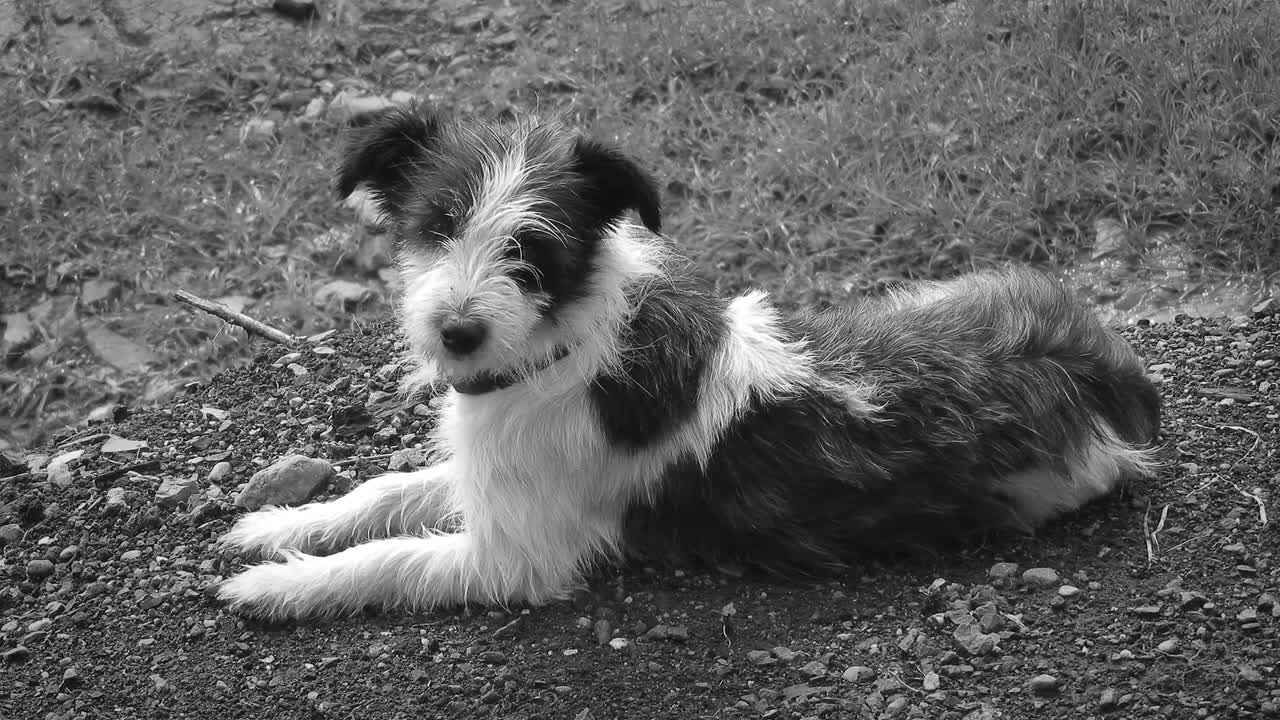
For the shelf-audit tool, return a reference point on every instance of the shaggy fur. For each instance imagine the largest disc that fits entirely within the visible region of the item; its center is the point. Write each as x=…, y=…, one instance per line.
x=603, y=401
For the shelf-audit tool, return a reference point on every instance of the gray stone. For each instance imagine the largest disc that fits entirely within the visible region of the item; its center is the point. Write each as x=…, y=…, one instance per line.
x=1040, y=577
x=292, y=480
x=858, y=674
x=405, y=460
x=972, y=640
x=39, y=569
x=175, y=491
x=1003, y=571
x=220, y=472
x=10, y=534
x=1044, y=684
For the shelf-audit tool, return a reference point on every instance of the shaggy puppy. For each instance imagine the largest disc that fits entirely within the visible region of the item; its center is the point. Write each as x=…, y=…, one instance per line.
x=603, y=401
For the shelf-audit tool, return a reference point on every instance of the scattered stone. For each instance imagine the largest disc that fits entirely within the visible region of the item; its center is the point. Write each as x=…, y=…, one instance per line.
x=1247, y=615
x=931, y=682
x=349, y=105
x=1168, y=646
x=1250, y=675
x=1146, y=611
x=814, y=669
x=16, y=655
x=61, y=475
x=314, y=111
x=619, y=643
x=1108, y=699
x=1044, y=684
x=10, y=534
x=973, y=641
x=116, y=499
x=39, y=569
x=1003, y=571
x=1190, y=600
x=258, y=129
x=786, y=655
x=291, y=480
x=71, y=678
x=1040, y=577
x=858, y=674
x=761, y=657
x=68, y=553
x=1068, y=591
x=131, y=555
x=220, y=472
x=175, y=491
x=345, y=293
x=405, y=460
x=493, y=657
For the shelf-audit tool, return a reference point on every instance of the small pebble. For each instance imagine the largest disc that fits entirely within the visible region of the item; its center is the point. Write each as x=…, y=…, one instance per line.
x=931, y=681
x=39, y=569
x=1003, y=571
x=1168, y=646
x=1068, y=591
x=1040, y=577
x=10, y=534
x=1044, y=684
x=858, y=673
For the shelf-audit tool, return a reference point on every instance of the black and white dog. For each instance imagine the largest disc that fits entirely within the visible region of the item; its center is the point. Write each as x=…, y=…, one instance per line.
x=604, y=402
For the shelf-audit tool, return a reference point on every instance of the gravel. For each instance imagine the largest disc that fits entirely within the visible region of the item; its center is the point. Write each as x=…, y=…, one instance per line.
x=106, y=615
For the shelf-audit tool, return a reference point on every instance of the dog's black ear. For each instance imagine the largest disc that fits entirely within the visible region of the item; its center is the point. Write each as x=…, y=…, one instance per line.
x=383, y=153
x=616, y=184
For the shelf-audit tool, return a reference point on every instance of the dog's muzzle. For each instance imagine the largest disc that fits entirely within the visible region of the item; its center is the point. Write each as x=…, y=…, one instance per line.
x=463, y=336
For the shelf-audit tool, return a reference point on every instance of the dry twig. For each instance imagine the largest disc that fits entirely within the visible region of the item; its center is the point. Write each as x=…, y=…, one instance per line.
x=250, y=325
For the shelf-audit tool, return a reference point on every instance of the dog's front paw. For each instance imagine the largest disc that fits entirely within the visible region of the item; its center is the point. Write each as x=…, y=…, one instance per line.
x=266, y=533
x=276, y=591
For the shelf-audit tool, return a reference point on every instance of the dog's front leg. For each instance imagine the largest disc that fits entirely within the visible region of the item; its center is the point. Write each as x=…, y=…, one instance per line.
x=395, y=504
x=404, y=573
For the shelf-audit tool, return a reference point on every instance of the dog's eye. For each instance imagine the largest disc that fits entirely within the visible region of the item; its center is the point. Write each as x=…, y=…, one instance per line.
x=530, y=249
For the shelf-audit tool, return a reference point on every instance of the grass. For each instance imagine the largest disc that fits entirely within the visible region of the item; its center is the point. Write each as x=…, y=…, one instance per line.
x=821, y=149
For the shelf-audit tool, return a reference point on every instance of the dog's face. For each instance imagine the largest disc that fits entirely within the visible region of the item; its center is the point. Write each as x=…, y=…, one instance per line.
x=498, y=230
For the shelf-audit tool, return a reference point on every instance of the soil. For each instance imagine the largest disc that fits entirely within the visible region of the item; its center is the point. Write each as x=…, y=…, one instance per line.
x=1156, y=602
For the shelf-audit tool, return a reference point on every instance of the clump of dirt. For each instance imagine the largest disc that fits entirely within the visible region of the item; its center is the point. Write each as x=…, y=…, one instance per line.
x=1158, y=602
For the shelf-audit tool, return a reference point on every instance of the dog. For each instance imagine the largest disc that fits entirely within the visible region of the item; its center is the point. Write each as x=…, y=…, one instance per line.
x=603, y=402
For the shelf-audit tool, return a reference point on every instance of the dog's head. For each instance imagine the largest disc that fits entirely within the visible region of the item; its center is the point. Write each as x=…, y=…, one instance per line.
x=499, y=229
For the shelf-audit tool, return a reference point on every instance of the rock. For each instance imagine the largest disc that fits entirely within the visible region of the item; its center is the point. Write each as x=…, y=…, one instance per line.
x=116, y=499
x=10, y=534
x=220, y=472
x=1003, y=571
x=814, y=669
x=858, y=674
x=619, y=643
x=61, y=475
x=175, y=491
x=404, y=97
x=131, y=555
x=116, y=350
x=96, y=291
x=1044, y=684
x=972, y=640
x=931, y=682
x=16, y=655
x=405, y=460
x=1040, y=577
x=71, y=678
x=1146, y=611
x=1108, y=699
x=39, y=569
x=493, y=657
x=786, y=655
x=761, y=657
x=1168, y=646
x=69, y=553
x=349, y=105
x=1068, y=591
x=343, y=293
x=313, y=112
x=1250, y=675
x=291, y=480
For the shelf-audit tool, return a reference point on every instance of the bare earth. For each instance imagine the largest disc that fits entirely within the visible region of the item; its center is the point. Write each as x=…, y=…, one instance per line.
x=1173, y=611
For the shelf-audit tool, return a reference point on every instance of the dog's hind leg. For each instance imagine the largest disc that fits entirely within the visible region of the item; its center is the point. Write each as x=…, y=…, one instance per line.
x=395, y=504
x=402, y=573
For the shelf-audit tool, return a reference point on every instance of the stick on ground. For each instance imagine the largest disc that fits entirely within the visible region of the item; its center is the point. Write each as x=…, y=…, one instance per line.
x=250, y=325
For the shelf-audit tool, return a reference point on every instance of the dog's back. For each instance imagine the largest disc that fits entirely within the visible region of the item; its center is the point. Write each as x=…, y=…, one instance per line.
x=938, y=411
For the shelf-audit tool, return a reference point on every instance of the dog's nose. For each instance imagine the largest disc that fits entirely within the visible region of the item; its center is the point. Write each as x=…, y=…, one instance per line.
x=462, y=336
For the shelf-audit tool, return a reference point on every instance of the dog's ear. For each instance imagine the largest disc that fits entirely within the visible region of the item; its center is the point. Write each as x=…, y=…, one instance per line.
x=617, y=184
x=383, y=153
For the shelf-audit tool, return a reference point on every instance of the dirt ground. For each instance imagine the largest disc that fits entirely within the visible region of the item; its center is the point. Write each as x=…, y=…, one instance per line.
x=1158, y=603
